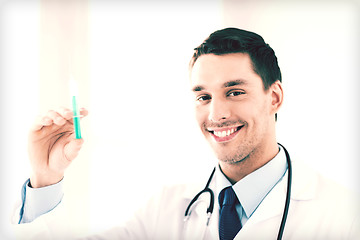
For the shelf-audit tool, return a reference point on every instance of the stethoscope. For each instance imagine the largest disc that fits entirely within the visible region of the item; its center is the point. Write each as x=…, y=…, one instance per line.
x=210, y=209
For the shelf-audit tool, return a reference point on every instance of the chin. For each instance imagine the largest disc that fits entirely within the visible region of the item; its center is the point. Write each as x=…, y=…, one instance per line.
x=230, y=158
x=226, y=156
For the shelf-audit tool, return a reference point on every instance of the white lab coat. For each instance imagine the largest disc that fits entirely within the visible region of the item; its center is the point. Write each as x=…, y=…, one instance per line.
x=319, y=209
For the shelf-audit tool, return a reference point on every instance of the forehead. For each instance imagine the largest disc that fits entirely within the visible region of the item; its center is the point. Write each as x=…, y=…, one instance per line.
x=212, y=70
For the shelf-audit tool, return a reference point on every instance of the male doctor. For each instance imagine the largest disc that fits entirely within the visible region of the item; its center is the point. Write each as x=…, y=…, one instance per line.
x=236, y=82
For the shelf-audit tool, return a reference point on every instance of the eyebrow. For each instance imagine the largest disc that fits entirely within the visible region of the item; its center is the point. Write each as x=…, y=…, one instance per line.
x=198, y=88
x=231, y=83
x=235, y=83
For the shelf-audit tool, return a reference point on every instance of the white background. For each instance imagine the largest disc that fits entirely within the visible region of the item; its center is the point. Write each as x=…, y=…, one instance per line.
x=141, y=132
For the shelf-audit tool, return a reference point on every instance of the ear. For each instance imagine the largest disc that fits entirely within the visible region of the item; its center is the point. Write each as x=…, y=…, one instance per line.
x=277, y=96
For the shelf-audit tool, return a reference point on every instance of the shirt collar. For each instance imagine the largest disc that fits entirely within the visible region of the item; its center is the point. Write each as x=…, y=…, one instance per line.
x=253, y=188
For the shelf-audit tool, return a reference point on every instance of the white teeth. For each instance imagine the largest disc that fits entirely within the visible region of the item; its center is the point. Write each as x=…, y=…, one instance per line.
x=224, y=133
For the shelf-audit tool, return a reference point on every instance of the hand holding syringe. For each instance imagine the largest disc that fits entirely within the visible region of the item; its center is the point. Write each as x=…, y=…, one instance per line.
x=54, y=142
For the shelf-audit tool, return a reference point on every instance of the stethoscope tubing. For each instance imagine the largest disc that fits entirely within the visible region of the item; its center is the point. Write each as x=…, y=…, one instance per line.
x=210, y=209
x=288, y=195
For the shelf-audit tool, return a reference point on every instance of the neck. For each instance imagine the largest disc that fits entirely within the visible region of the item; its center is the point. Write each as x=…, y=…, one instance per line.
x=255, y=160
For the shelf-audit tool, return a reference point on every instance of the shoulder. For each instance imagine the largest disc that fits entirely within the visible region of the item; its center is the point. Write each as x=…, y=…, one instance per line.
x=174, y=193
x=322, y=206
x=323, y=197
x=308, y=181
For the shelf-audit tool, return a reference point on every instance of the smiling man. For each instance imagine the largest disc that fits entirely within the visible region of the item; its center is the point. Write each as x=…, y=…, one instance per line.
x=235, y=110
x=237, y=89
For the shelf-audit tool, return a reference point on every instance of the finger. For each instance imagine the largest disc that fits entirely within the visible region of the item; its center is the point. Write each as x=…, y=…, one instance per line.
x=66, y=113
x=84, y=112
x=40, y=122
x=56, y=118
x=72, y=148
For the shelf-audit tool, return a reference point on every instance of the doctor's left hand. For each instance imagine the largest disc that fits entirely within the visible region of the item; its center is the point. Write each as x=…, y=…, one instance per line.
x=52, y=146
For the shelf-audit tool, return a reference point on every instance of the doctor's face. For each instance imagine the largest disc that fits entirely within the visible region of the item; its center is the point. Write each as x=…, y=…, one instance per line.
x=233, y=110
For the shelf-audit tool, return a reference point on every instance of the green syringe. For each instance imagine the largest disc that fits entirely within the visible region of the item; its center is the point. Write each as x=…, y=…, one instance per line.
x=76, y=112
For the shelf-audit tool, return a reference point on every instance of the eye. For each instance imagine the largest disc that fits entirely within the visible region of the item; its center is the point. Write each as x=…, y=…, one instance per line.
x=203, y=98
x=235, y=93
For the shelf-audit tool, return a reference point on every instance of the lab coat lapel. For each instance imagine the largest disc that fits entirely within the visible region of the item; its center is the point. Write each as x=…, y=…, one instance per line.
x=214, y=223
x=196, y=226
x=272, y=205
x=271, y=209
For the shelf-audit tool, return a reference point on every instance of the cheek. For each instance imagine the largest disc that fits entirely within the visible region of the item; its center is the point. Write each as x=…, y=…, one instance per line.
x=200, y=115
x=245, y=111
x=251, y=112
x=259, y=114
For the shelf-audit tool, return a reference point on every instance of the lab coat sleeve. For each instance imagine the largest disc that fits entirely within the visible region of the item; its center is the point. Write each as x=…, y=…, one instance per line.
x=55, y=224
x=43, y=214
x=162, y=217
x=59, y=224
x=142, y=225
x=37, y=201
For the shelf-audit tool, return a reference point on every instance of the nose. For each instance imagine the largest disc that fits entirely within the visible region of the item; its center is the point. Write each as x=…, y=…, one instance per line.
x=219, y=111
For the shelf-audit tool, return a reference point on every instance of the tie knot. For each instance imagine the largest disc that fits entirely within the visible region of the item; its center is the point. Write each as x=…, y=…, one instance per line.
x=228, y=197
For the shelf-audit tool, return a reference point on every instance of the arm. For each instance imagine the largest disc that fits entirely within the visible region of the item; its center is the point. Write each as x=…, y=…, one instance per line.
x=38, y=201
x=52, y=147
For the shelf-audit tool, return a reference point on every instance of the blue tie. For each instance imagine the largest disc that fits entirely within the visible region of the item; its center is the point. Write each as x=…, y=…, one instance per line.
x=229, y=222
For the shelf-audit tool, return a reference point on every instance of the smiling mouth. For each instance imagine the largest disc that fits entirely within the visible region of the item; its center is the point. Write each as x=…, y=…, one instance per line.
x=224, y=134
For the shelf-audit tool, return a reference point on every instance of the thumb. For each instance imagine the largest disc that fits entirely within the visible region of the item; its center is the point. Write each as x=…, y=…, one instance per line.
x=72, y=148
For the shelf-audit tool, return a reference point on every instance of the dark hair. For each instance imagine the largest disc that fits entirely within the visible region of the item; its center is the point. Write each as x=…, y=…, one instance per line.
x=233, y=40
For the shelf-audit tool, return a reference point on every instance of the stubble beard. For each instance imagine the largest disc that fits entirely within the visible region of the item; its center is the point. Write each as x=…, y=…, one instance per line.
x=240, y=156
